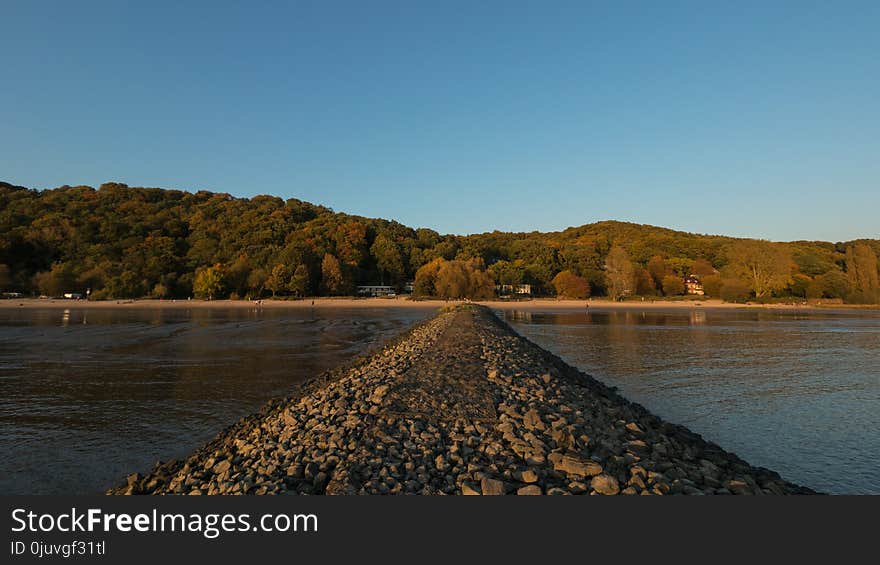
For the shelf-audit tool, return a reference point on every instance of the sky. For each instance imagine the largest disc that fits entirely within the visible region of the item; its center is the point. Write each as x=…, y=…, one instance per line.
x=754, y=119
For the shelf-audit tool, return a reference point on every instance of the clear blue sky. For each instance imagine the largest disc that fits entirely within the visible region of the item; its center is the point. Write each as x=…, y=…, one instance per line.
x=743, y=118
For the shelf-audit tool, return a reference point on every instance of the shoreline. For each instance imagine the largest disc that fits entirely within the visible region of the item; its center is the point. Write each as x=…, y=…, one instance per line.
x=459, y=404
x=404, y=302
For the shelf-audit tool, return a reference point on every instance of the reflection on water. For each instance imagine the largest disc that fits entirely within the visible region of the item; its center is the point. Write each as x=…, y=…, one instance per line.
x=88, y=396
x=797, y=392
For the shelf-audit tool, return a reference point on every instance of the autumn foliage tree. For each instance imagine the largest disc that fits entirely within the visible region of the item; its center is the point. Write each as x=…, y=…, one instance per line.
x=569, y=285
x=209, y=282
x=454, y=280
x=764, y=266
x=861, y=270
x=331, y=275
x=278, y=281
x=620, y=273
x=123, y=241
x=673, y=285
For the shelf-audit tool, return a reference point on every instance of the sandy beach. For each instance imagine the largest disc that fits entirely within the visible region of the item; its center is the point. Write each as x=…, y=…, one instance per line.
x=405, y=302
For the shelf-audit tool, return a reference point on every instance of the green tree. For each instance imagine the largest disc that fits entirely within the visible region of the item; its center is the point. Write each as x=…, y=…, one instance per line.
x=832, y=284
x=764, y=266
x=569, y=285
x=508, y=272
x=620, y=273
x=256, y=282
x=209, y=282
x=300, y=281
x=388, y=258
x=799, y=284
x=278, y=280
x=237, y=275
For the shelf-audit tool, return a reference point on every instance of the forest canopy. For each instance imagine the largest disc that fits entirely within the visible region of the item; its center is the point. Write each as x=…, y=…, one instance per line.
x=125, y=242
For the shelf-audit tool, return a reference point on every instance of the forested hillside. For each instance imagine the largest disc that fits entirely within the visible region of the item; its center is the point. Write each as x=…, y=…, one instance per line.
x=123, y=242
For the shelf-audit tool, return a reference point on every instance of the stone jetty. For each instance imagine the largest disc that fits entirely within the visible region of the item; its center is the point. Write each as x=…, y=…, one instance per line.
x=460, y=404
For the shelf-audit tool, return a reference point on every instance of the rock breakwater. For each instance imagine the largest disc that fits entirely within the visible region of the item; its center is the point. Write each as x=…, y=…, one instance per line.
x=461, y=404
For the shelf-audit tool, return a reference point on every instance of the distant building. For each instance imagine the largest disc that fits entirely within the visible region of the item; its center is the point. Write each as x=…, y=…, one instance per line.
x=693, y=285
x=375, y=290
x=520, y=289
x=409, y=286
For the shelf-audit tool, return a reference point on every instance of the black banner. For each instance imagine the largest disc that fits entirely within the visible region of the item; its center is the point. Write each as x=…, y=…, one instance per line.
x=453, y=529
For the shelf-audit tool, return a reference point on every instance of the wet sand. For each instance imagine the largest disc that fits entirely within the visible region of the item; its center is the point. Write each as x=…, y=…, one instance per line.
x=405, y=302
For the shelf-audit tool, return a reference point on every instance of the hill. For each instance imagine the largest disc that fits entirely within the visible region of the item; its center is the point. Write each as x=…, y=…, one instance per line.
x=123, y=241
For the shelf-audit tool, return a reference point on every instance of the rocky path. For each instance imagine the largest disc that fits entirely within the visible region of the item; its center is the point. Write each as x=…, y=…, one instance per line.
x=460, y=405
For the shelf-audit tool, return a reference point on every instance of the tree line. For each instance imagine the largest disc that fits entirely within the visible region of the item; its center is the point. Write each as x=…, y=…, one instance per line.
x=126, y=242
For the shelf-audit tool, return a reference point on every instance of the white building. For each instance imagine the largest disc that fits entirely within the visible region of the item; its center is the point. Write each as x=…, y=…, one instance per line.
x=375, y=290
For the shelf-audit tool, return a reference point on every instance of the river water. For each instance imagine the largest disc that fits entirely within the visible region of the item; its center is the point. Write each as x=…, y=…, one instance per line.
x=795, y=391
x=88, y=396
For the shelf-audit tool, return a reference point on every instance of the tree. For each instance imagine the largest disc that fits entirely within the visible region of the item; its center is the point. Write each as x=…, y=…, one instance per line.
x=861, y=271
x=658, y=269
x=278, y=280
x=454, y=280
x=702, y=268
x=5, y=278
x=426, y=278
x=388, y=258
x=237, y=275
x=300, y=281
x=209, y=282
x=673, y=285
x=569, y=285
x=619, y=272
x=832, y=284
x=482, y=285
x=765, y=266
x=798, y=285
x=331, y=275
x=712, y=285
x=256, y=282
x=351, y=242
x=123, y=241
x=508, y=272
x=57, y=281
x=735, y=290
x=644, y=282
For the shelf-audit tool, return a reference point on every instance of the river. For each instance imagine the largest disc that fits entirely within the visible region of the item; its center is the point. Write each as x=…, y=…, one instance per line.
x=88, y=396
x=794, y=391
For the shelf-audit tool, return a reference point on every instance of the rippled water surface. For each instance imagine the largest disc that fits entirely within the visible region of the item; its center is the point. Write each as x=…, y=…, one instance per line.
x=88, y=396
x=797, y=392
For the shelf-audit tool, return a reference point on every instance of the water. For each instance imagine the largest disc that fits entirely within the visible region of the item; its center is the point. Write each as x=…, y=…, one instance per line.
x=88, y=396
x=794, y=391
